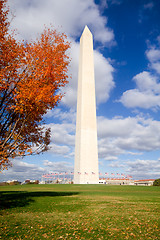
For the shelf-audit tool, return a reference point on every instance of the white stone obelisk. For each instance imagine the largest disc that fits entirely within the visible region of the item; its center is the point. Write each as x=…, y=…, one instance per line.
x=86, y=152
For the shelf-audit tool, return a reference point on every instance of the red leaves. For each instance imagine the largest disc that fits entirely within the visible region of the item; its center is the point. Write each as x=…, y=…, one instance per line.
x=30, y=78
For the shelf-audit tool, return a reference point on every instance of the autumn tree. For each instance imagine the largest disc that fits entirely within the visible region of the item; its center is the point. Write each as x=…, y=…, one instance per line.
x=31, y=76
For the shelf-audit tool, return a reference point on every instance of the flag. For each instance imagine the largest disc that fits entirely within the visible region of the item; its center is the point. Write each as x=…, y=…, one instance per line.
x=128, y=176
x=48, y=175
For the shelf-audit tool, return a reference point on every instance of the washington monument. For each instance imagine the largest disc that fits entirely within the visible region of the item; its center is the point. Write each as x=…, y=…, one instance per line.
x=86, y=153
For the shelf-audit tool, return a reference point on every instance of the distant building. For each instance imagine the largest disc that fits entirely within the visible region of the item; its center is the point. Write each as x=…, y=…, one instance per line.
x=144, y=182
x=102, y=181
x=126, y=181
x=116, y=181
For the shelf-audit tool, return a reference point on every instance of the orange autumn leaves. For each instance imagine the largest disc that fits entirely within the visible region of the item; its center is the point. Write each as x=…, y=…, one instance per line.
x=31, y=75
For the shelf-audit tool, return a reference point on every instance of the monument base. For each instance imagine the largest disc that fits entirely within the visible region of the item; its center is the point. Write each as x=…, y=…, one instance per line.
x=86, y=180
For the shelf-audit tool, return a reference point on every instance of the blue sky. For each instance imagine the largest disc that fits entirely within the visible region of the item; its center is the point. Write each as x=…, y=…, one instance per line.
x=127, y=73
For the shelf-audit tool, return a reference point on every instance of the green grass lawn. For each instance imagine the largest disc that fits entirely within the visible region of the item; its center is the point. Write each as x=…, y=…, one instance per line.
x=79, y=212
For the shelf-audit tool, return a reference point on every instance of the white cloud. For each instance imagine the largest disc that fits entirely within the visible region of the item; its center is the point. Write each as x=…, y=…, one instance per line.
x=62, y=134
x=146, y=168
x=135, y=153
x=65, y=116
x=134, y=98
x=156, y=67
x=145, y=81
x=119, y=136
x=69, y=15
x=104, y=82
x=147, y=92
x=145, y=95
x=57, y=166
x=153, y=54
x=21, y=171
x=103, y=77
x=60, y=150
x=116, y=136
x=70, y=90
x=115, y=127
x=139, y=168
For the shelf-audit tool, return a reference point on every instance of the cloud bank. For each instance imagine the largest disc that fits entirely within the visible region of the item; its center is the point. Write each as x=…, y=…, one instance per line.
x=69, y=15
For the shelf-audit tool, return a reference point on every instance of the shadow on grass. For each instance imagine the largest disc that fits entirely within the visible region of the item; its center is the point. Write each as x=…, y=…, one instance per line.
x=12, y=199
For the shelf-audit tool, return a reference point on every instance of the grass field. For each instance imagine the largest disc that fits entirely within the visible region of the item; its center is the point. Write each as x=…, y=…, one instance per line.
x=79, y=212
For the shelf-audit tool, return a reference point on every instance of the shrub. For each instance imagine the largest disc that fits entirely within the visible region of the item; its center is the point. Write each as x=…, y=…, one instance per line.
x=156, y=182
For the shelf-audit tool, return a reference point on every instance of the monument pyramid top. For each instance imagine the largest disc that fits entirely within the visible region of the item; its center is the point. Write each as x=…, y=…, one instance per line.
x=86, y=30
